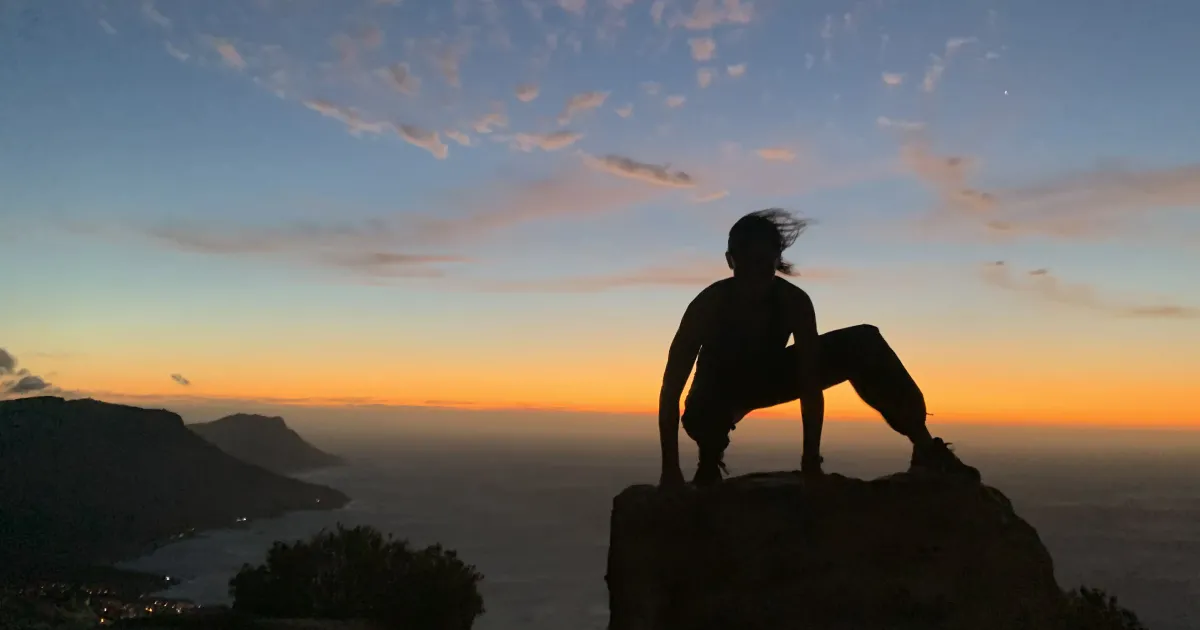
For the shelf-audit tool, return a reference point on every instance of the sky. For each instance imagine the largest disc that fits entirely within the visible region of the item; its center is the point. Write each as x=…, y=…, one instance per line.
x=503, y=204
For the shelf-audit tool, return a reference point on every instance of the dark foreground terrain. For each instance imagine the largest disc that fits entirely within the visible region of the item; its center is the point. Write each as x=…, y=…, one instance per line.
x=83, y=482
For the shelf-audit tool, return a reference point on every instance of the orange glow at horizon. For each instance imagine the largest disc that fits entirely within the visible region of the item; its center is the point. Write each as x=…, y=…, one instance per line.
x=950, y=397
x=620, y=372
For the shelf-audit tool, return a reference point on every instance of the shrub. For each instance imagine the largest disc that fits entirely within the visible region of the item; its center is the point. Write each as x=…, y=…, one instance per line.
x=359, y=573
x=1093, y=609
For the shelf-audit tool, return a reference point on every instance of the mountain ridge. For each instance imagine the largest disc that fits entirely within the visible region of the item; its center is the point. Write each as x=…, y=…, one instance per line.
x=265, y=441
x=89, y=482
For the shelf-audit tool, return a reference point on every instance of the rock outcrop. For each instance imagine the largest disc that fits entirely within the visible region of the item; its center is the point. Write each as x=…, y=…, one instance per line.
x=780, y=551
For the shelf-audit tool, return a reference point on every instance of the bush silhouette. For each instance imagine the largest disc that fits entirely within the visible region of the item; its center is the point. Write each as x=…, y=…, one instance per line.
x=1093, y=609
x=359, y=573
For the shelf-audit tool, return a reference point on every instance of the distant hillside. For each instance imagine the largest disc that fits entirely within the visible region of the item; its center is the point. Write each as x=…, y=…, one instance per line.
x=264, y=441
x=85, y=481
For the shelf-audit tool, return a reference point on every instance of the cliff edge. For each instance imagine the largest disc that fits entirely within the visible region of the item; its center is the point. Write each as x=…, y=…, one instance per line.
x=777, y=550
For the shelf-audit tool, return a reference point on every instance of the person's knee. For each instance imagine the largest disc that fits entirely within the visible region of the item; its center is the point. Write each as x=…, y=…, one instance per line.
x=866, y=330
x=866, y=338
x=708, y=427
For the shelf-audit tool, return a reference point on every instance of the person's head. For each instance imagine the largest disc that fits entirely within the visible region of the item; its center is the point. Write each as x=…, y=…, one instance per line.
x=757, y=241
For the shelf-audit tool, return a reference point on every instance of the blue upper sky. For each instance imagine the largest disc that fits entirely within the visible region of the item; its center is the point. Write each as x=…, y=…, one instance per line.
x=434, y=155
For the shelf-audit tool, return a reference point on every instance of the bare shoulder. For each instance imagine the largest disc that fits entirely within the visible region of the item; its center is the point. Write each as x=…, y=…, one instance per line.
x=795, y=298
x=699, y=315
x=709, y=297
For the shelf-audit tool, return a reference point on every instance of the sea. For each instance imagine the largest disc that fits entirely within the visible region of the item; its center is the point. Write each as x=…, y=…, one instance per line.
x=1118, y=510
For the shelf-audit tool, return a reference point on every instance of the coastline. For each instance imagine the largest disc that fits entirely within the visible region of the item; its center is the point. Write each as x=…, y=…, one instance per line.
x=122, y=562
x=109, y=569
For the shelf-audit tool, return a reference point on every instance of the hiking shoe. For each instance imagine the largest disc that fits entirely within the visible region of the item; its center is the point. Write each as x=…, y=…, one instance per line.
x=937, y=457
x=710, y=471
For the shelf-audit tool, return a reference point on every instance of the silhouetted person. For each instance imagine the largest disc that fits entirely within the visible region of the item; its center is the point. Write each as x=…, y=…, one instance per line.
x=736, y=332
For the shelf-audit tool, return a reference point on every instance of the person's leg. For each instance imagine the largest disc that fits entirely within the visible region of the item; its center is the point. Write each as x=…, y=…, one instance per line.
x=708, y=418
x=860, y=355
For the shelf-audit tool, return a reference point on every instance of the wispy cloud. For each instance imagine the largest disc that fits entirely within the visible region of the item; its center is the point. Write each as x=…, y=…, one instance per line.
x=684, y=273
x=954, y=43
x=108, y=28
x=659, y=175
x=708, y=14
x=657, y=8
x=553, y=141
x=526, y=92
x=371, y=36
x=827, y=33
x=893, y=78
x=1042, y=284
x=904, y=125
x=705, y=76
x=229, y=54
x=459, y=137
x=938, y=64
x=347, y=49
x=674, y=101
x=578, y=7
x=703, y=48
x=581, y=102
x=948, y=177
x=150, y=12
x=777, y=154
x=175, y=52
x=805, y=172
x=178, y=378
x=736, y=70
x=625, y=111
x=424, y=138
x=669, y=275
x=350, y=117
x=391, y=264
x=712, y=196
x=366, y=248
x=933, y=73
x=383, y=247
x=401, y=78
x=490, y=121
x=571, y=192
x=448, y=58
x=1097, y=203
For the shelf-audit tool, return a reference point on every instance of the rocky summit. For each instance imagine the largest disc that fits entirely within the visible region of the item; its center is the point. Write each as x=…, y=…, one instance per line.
x=775, y=551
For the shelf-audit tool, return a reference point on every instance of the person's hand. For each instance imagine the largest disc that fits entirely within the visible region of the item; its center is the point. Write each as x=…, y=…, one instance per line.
x=671, y=478
x=811, y=465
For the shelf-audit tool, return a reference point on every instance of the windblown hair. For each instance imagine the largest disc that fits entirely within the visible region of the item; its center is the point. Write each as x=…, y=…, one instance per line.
x=774, y=225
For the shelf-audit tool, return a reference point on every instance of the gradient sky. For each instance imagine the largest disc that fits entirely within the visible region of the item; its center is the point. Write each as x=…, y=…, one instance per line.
x=503, y=203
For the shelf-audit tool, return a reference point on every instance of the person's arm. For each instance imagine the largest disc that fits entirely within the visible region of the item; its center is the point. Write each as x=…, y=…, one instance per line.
x=812, y=396
x=680, y=359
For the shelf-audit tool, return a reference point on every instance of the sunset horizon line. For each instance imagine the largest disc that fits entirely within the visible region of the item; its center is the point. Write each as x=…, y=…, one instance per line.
x=780, y=413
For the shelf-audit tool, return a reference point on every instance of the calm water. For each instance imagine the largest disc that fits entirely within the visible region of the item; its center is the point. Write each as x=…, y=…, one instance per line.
x=534, y=520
